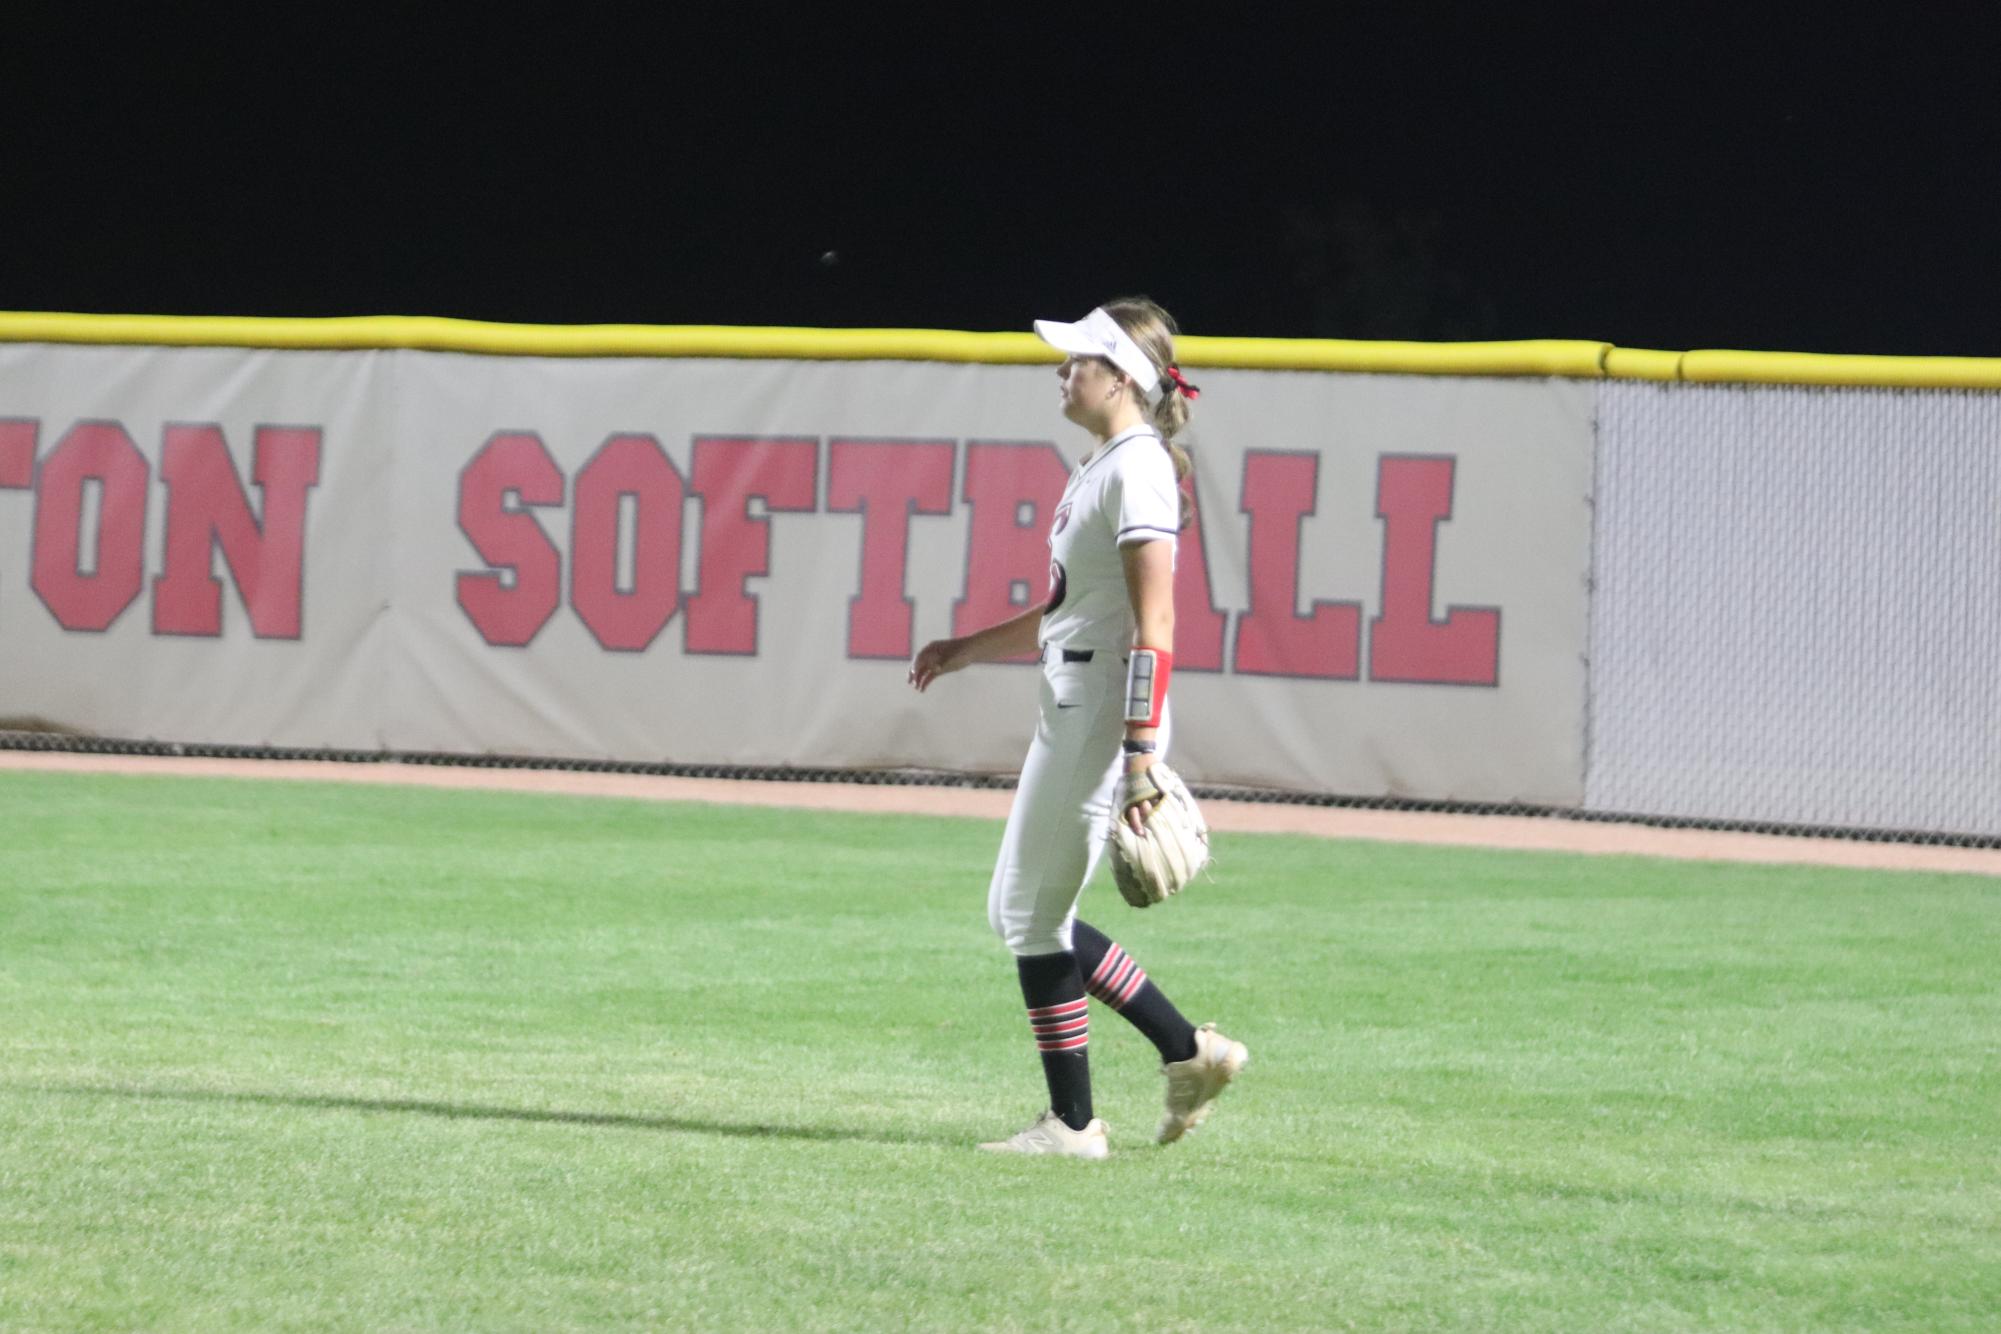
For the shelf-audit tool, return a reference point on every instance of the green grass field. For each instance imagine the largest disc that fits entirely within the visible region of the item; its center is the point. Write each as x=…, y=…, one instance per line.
x=311, y=1056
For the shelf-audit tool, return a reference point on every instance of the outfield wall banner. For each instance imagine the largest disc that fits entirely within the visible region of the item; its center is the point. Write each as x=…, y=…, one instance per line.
x=714, y=561
x=1797, y=614
x=191, y=546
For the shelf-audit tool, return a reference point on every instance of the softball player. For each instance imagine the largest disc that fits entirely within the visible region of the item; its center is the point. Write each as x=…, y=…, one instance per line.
x=1106, y=639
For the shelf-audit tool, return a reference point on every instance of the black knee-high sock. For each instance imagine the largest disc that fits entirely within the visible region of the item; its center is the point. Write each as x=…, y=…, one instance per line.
x=1115, y=978
x=1057, y=1014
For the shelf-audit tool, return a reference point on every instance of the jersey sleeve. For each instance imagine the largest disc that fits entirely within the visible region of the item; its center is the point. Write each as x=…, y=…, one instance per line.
x=1146, y=501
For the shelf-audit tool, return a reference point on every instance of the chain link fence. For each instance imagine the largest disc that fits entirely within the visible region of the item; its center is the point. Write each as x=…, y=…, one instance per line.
x=1796, y=610
x=64, y=743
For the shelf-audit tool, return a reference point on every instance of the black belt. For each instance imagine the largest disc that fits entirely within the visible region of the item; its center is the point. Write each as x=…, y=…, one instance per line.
x=1070, y=654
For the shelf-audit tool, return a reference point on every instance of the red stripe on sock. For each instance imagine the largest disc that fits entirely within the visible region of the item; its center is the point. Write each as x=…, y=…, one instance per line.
x=1113, y=957
x=1065, y=1026
x=1133, y=985
x=1121, y=985
x=1067, y=1007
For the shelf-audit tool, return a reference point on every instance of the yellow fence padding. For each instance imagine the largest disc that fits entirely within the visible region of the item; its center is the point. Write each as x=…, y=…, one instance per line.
x=1639, y=363
x=1537, y=357
x=1570, y=358
x=1565, y=357
x=1718, y=367
x=434, y=333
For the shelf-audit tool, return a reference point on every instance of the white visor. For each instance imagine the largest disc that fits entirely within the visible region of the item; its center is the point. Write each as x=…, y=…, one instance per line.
x=1099, y=335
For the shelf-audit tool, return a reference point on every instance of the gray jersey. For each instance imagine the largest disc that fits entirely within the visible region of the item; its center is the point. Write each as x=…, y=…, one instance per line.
x=1125, y=493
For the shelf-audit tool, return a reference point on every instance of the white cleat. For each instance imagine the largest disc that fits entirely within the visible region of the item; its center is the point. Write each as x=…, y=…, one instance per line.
x=1192, y=1085
x=1049, y=1135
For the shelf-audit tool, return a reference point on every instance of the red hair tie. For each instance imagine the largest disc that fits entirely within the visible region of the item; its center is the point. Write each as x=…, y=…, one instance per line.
x=1187, y=390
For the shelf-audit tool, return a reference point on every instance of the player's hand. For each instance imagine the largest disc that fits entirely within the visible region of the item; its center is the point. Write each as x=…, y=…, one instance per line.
x=937, y=658
x=1135, y=814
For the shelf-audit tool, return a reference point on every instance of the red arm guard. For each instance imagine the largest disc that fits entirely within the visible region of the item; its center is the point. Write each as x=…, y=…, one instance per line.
x=1147, y=671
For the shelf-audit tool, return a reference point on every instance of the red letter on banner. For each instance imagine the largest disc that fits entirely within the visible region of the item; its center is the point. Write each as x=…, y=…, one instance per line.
x=17, y=452
x=1014, y=491
x=1198, y=626
x=103, y=456
x=785, y=474
x=206, y=508
x=1273, y=639
x=1413, y=494
x=886, y=481
x=627, y=619
x=513, y=470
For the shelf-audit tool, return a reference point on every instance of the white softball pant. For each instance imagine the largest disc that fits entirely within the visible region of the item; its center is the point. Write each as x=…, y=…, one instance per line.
x=1062, y=813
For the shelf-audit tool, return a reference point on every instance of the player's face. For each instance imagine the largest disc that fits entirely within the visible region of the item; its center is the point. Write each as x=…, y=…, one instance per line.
x=1088, y=385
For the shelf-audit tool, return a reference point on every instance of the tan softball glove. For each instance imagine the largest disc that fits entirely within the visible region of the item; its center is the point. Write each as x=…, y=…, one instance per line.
x=1158, y=864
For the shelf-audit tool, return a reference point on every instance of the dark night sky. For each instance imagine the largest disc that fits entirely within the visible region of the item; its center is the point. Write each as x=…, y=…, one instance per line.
x=1654, y=179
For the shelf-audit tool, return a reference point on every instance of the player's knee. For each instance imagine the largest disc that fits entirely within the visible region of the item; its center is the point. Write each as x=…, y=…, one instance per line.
x=1028, y=937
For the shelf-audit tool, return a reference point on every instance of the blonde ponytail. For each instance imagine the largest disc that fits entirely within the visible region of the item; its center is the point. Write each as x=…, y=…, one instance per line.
x=1154, y=329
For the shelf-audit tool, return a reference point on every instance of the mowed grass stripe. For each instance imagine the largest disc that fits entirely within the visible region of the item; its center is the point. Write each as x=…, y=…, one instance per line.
x=278, y=1054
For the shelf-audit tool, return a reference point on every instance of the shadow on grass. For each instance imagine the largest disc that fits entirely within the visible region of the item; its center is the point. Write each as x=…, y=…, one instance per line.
x=459, y=1111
